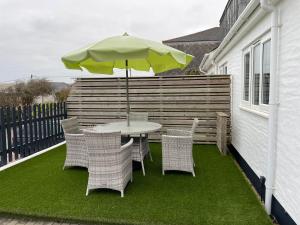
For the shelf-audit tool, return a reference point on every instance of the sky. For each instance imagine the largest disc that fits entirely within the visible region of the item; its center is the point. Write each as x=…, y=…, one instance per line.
x=35, y=34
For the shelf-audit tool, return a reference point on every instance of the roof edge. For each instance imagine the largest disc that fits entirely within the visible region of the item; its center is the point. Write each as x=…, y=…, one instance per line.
x=184, y=36
x=243, y=18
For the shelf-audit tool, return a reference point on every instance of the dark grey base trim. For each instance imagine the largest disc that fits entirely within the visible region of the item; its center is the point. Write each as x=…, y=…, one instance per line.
x=278, y=212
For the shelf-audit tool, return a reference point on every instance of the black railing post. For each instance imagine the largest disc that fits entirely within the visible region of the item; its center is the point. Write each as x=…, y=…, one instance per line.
x=40, y=142
x=15, y=138
x=35, y=141
x=20, y=136
x=44, y=126
x=48, y=125
x=25, y=122
x=52, y=141
x=8, y=132
x=3, y=152
x=30, y=124
x=55, y=121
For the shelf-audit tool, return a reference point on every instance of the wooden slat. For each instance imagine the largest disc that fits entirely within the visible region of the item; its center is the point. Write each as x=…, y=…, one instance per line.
x=172, y=101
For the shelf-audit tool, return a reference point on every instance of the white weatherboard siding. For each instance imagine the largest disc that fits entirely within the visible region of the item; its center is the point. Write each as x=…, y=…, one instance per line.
x=287, y=183
x=250, y=130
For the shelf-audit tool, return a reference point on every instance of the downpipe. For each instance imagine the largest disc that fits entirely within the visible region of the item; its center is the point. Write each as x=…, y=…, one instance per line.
x=273, y=105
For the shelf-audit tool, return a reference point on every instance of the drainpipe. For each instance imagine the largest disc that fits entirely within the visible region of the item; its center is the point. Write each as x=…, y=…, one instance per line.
x=273, y=105
x=215, y=65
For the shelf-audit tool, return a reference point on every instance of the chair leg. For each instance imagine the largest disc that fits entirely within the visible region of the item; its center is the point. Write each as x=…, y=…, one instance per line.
x=122, y=194
x=87, y=192
x=163, y=172
x=141, y=155
x=193, y=172
x=131, y=178
x=150, y=155
x=143, y=168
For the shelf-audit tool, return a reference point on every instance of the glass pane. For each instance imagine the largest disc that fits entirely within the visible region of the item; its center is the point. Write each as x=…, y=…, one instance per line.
x=266, y=72
x=256, y=89
x=246, y=76
x=256, y=74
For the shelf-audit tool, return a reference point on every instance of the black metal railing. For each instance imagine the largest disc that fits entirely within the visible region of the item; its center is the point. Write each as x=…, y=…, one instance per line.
x=28, y=129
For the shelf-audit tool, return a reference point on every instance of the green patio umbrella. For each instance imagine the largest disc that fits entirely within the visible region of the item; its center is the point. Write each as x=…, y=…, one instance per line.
x=126, y=52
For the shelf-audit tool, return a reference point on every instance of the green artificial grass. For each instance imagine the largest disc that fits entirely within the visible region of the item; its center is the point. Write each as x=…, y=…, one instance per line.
x=219, y=194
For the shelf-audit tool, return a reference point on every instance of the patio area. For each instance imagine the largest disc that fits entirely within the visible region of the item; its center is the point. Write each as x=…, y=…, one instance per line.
x=219, y=194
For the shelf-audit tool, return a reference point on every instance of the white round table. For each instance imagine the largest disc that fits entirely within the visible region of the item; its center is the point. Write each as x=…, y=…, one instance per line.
x=136, y=128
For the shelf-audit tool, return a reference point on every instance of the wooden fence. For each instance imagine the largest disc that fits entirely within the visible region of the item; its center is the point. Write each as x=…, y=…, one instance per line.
x=172, y=101
x=29, y=129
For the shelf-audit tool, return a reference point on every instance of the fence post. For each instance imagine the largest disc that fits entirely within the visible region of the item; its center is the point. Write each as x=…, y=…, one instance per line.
x=40, y=142
x=48, y=126
x=8, y=132
x=51, y=123
x=44, y=126
x=20, y=144
x=3, y=153
x=222, y=132
x=34, y=119
x=31, y=145
x=25, y=121
x=15, y=139
x=55, y=121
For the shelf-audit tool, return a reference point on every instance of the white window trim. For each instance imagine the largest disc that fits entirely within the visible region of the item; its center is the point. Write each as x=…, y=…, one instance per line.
x=260, y=109
x=245, y=103
x=222, y=67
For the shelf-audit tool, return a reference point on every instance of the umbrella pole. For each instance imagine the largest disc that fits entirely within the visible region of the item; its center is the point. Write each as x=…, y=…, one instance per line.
x=127, y=93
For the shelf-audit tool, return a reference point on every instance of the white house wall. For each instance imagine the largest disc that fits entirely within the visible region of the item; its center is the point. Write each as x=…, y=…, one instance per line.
x=287, y=183
x=249, y=130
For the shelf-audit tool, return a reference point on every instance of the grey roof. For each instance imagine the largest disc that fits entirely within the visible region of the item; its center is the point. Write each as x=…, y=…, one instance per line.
x=196, y=44
x=212, y=34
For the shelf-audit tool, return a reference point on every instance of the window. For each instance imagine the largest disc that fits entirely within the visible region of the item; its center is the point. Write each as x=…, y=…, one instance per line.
x=246, y=76
x=266, y=72
x=256, y=75
x=223, y=69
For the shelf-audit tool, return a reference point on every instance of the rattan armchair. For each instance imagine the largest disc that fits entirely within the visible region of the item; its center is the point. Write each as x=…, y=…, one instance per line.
x=75, y=142
x=177, y=149
x=110, y=164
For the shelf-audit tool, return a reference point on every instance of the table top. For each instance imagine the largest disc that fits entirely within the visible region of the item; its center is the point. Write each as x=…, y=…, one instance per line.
x=135, y=128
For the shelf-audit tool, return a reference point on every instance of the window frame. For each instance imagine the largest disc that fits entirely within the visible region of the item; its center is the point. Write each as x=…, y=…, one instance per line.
x=246, y=102
x=263, y=108
x=222, y=69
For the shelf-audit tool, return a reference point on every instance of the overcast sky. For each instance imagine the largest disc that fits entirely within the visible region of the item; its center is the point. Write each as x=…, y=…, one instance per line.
x=34, y=34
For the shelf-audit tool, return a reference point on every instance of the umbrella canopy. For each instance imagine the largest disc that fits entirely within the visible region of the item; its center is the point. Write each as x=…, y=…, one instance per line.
x=101, y=57
x=125, y=52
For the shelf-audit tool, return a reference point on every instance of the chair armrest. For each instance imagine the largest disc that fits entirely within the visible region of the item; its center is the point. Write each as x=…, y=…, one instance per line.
x=171, y=141
x=128, y=144
x=176, y=132
x=75, y=139
x=74, y=135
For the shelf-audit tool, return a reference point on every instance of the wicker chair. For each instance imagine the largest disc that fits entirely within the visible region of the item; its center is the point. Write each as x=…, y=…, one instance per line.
x=177, y=150
x=110, y=164
x=135, y=148
x=76, y=147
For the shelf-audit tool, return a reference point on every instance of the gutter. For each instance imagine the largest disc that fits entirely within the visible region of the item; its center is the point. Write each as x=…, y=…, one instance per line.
x=252, y=5
x=203, y=62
